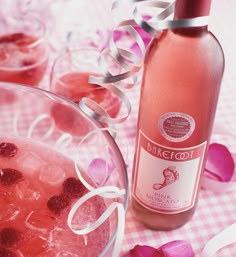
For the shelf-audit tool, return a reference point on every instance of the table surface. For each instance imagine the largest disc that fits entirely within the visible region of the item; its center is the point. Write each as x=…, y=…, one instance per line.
x=215, y=211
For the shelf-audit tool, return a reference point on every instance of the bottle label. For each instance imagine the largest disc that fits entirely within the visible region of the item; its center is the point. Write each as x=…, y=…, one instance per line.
x=166, y=179
x=176, y=126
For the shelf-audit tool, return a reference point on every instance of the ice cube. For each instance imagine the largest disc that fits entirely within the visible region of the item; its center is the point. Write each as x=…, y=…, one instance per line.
x=51, y=174
x=84, y=216
x=40, y=220
x=34, y=247
x=26, y=190
x=10, y=212
x=56, y=236
x=63, y=237
x=9, y=209
x=30, y=163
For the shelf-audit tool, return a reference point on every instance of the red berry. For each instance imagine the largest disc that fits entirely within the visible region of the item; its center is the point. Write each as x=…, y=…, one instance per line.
x=9, y=177
x=28, y=62
x=73, y=188
x=58, y=203
x=9, y=236
x=10, y=38
x=20, y=39
x=8, y=150
x=6, y=253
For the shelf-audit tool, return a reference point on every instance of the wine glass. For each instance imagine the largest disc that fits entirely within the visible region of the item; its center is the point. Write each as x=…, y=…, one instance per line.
x=70, y=74
x=23, y=50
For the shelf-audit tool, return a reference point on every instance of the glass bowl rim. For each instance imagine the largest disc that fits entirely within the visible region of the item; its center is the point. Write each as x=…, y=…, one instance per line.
x=108, y=136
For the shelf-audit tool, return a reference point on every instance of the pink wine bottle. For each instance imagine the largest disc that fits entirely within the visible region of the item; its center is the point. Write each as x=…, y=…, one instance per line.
x=183, y=70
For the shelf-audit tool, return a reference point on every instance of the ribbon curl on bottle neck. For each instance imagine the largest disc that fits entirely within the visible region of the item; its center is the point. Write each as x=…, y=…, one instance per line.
x=131, y=64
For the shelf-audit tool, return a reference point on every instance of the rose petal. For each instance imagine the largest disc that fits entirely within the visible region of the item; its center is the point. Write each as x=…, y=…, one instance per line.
x=117, y=35
x=99, y=170
x=146, y=37
x=177, y=248
x=220, y=164
x=136, y=49
x=143, y=34
x=141, y=251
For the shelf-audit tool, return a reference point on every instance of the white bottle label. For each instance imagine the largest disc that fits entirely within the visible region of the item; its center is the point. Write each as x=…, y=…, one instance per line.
x=166, y=179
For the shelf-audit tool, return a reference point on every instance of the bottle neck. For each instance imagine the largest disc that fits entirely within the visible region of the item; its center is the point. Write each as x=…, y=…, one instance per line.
x=187, y=9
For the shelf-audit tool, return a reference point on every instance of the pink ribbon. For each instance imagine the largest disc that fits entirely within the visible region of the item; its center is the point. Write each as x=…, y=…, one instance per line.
x=224, y=238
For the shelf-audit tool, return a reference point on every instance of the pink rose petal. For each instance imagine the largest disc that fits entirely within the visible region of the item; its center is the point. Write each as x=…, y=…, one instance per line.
x=117, y=35
x=144, y=35
x=141, y=251
x=136, y=49
x=99, y=170
x=220, y=164
x=177, y=248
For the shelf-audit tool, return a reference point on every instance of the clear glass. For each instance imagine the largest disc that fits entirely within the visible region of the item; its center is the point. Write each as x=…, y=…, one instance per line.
x=59, y=172
x=70, y=74
x=23, y=49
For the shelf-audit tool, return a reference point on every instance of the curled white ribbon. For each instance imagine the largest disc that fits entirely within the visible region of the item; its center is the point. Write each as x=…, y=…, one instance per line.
x=36, y=121
x=130, y=64
x=63, y=141
x=110, y=192
x=87, y=136
x=224, y=238
x=34, y=124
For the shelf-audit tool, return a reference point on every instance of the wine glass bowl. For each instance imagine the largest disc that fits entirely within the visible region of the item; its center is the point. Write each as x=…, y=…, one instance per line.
x=23, y=50
x=56, y=183
x=70, y=74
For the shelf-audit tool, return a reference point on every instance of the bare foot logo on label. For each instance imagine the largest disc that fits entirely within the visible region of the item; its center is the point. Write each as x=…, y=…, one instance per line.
x=170, y=175
x=176, y=126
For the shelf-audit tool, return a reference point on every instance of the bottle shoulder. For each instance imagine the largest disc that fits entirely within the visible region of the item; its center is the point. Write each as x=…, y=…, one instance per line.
x=172, y=38
x=170, y=45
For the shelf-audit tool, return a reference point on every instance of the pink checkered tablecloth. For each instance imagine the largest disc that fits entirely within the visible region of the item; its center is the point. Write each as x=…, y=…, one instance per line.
x=215, y=211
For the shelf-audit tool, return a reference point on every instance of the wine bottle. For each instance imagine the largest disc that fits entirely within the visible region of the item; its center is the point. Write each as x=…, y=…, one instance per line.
x=182, y=74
